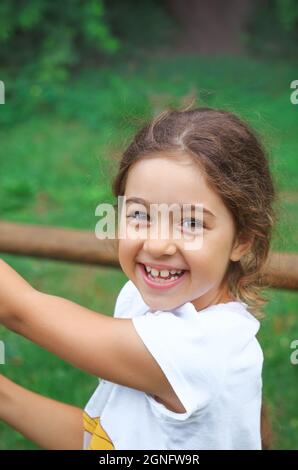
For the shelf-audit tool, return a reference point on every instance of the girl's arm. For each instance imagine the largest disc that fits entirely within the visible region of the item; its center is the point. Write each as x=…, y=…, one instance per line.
x=105, y=346
x=48, y=423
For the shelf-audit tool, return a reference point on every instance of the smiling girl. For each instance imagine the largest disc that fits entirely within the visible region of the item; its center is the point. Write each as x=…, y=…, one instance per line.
x=179, y=362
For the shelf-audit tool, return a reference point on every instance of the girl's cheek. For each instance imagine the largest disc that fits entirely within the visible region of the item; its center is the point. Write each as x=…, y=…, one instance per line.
x=128, y=252
x=123, y=253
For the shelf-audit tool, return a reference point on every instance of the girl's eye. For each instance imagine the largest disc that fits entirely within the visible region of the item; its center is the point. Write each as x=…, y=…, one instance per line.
x=132, y=215
x=143, y=216
x=195, y=223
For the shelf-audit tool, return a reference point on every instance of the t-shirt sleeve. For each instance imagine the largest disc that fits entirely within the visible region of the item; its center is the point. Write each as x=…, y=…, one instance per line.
x=193, y=355
x=124, y=300
x=181, y=358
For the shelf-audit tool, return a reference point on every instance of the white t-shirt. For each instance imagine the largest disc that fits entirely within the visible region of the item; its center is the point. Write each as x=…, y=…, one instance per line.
x=212, y=360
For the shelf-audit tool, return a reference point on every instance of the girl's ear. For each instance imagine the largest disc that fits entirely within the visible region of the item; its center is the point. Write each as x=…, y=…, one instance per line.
x=241, y=246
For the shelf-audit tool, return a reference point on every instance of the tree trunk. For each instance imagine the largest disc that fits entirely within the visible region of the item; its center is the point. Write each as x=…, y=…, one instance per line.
x=210, y=26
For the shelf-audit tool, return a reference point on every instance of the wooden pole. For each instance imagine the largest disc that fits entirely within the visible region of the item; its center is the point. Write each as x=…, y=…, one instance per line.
x=82, y=246
x=281, y=271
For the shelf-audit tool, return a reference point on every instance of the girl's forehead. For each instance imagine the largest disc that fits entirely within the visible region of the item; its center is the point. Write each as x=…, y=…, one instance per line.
x=167, y=158
x=165, y=169
x=167, y=178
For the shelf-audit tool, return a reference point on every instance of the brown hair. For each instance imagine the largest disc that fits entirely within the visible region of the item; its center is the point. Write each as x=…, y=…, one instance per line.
x=235, y=166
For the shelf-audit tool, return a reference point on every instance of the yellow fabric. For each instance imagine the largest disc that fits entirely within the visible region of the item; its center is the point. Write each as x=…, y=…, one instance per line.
x=99, y=438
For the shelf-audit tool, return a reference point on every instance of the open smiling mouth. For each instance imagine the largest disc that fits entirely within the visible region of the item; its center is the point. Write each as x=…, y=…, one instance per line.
x=161, y=282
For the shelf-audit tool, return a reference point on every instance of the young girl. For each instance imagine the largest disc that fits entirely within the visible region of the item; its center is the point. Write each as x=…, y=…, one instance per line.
x=179, y=362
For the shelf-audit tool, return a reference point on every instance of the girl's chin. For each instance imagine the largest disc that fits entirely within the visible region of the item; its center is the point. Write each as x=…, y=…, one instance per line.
x=154, y=306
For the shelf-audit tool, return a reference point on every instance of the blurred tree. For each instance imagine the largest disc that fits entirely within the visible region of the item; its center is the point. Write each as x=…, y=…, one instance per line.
x=43, y=42
x=235, y=26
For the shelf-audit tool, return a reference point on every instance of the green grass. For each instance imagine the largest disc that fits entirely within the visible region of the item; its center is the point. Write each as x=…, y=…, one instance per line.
x=56, y=167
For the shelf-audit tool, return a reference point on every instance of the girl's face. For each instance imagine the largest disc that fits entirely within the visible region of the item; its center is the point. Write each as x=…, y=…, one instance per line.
x=161, y=179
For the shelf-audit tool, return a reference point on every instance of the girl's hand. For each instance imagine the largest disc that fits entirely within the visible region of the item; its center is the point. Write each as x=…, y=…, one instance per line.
x=13, y=292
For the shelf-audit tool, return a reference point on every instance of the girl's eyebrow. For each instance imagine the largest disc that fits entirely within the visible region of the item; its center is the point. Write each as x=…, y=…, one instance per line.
x=139, y=200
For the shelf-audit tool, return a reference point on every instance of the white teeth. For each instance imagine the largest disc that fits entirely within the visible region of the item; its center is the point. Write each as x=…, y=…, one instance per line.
x=154, y=272
x=164, y=273
x=162, y=281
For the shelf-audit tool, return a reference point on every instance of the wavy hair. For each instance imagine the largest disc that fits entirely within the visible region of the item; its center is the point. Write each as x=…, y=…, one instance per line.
x=235, y=165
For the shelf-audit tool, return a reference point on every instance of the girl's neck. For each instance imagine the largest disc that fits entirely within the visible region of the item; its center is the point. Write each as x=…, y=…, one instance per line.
x=212, y=298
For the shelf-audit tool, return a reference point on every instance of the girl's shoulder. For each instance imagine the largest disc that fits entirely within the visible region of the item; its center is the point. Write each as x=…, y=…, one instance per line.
x=230, y=316
x=127, y=290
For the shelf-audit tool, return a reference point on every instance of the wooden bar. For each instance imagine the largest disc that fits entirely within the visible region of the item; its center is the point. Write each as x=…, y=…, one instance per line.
x=282, y=271
x=79, y=246
x=82, y=246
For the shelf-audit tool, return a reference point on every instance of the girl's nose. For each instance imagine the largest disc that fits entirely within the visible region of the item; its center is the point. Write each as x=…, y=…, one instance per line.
x=159, y=247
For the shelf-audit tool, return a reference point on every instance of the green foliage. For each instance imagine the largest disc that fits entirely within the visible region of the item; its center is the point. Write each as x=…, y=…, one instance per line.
x=44, y=46
x=41, y=38
x=273, y=28
x=287, y=13
x=140, y=26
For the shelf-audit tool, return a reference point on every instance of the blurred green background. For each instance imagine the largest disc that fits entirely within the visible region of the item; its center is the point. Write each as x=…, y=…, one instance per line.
x=80, y=77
